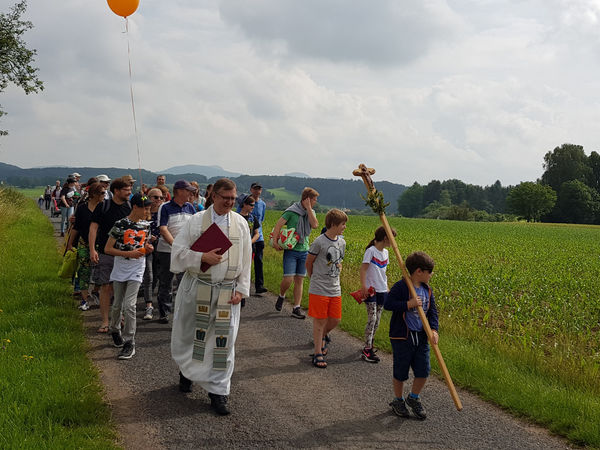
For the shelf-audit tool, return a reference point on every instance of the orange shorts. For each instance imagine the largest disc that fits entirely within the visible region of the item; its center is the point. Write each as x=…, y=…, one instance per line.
x=321, y=307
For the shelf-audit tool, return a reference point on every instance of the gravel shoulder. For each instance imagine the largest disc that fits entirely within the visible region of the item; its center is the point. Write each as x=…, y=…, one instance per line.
x=279, y=400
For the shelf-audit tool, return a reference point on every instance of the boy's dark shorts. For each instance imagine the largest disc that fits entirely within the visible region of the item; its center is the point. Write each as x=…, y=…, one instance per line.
x=408, y=353
x=102, y=270
x=379, y=297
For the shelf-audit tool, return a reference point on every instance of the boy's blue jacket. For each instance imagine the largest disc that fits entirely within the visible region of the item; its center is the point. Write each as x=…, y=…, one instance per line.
x=396, y=301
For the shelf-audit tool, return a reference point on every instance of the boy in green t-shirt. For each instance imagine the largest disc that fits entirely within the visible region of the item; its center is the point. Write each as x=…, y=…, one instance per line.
x=301, y=217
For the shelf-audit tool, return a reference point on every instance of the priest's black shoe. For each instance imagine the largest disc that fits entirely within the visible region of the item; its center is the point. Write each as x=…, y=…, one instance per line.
x=219, y=404
x=185, y=385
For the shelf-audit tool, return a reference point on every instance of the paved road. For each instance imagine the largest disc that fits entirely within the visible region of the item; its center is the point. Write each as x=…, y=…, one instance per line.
x=279, y=400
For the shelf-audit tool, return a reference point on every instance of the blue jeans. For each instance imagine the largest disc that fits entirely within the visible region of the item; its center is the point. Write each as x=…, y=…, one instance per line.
x=65, y=213
x=294, y=263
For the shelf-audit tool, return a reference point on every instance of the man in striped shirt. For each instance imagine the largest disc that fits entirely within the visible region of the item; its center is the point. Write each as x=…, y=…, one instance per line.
x=172, y=216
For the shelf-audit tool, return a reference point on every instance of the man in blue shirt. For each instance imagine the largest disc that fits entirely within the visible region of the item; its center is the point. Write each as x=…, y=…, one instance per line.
x=171, y=218
x=257, y=248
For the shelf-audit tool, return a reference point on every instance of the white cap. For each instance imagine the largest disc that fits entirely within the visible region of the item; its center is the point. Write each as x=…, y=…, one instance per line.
x=103, y=178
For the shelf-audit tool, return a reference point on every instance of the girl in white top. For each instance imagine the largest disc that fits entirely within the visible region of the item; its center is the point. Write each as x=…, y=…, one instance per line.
x=373, y=275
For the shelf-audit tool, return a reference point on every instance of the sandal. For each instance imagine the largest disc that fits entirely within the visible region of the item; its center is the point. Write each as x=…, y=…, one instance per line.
x=319, y=361
x=325, y=348
x=103, y=329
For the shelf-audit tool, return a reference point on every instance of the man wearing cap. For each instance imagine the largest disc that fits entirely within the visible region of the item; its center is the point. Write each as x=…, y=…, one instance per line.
x=128, y=179
x=259, y=216
x=172, y=216
x=128, y=243
x=77, y=177
x=104, y=217
x=105, y=182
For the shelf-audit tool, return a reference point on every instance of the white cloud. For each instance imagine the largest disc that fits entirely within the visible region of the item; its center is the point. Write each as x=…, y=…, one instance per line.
x=420, y=90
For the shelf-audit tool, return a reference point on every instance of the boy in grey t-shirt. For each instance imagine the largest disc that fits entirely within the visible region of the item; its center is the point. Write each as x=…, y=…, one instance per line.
x=323, y=266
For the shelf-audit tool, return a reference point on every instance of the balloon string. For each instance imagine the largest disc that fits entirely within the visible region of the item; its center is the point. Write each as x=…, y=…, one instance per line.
x=137, y=140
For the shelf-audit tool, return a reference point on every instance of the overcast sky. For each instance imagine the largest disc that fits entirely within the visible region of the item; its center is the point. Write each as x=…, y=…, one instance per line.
x=417, y=89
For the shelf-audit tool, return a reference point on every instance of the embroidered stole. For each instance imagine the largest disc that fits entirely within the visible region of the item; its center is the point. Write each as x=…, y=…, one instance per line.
x=207, y=291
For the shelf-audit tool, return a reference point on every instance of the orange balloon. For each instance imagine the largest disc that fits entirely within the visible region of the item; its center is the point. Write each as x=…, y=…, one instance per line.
x=123, y=8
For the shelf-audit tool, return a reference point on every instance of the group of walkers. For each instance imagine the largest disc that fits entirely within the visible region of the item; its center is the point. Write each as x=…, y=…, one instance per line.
x=204, y=246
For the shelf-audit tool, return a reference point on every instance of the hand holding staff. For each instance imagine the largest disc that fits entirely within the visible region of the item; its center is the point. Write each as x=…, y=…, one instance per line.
x=375, y=201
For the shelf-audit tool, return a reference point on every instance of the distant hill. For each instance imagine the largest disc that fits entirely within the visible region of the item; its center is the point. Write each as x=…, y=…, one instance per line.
x=207, y=171
x=297, y=174
x=333, y=192
x=40, y=176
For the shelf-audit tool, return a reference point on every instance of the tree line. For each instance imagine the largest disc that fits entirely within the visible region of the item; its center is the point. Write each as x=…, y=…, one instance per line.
x=568, y=191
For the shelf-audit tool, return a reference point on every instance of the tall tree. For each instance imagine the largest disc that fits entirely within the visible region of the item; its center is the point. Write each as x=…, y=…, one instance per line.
x=15, y=58
x=531, y=200
x=566, y=163
x=578, y=203
x=410, y=202
x=594, y=163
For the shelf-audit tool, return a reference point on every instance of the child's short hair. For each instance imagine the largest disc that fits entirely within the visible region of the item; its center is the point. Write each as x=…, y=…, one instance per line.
x=419, y=260
x=335, y=217
x=309, y=192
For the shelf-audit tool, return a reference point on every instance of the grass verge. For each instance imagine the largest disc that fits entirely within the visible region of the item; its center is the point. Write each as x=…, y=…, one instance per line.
x=50, y=395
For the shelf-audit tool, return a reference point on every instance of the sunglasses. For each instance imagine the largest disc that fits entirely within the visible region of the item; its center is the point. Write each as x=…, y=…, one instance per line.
x=156, y=197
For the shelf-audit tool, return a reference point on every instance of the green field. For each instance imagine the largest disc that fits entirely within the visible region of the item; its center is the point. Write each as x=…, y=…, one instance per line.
x=519, y=310
x=33, y=193
x=283, y=194
x=50, y=396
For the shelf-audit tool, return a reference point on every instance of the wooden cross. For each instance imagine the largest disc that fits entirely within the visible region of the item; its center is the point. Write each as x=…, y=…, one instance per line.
x=365, y=173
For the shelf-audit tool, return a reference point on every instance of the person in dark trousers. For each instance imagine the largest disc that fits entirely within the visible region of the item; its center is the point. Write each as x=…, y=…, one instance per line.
x=172, y=216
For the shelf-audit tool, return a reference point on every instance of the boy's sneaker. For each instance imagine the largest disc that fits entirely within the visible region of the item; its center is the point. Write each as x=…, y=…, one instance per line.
x=416, y=407
x=297, y=313
x=84, y=306
x=279, y=303
x=148, y=314
x=127, y=351
x=368, y=354
x=399, y=408
x=163, y=319
x=117, y=340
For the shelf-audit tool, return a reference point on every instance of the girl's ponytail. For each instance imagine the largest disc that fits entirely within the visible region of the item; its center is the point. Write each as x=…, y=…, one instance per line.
x=380, y=235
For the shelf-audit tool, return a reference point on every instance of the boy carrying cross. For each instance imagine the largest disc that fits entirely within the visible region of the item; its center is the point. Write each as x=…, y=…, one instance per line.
x=407, y=336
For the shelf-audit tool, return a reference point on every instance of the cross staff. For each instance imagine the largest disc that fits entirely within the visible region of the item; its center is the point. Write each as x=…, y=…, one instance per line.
x=375, y=200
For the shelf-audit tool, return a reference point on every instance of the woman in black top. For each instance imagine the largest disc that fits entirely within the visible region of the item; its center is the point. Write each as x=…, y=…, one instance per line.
x=79, y=238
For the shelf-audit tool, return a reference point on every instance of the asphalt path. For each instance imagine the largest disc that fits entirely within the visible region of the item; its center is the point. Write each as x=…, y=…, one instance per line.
x=279, y=400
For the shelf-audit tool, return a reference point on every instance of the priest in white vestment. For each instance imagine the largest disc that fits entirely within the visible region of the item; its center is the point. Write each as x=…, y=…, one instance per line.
x=207, y=306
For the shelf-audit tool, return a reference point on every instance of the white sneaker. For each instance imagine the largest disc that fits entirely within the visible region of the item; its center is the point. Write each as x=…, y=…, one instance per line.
x=84, y=306
x=148, y=314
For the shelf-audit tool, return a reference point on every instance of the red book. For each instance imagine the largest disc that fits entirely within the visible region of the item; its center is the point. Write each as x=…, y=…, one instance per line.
x=212, y=238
